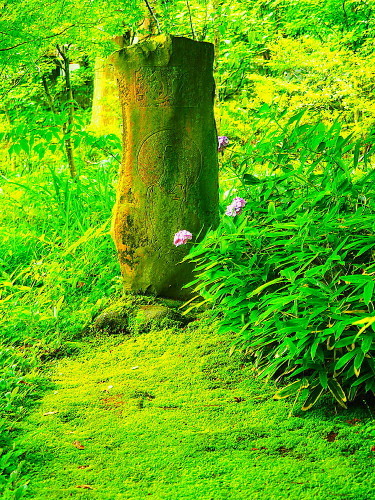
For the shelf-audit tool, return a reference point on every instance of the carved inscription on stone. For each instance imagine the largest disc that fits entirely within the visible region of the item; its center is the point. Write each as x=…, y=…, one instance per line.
x=170, y=168
x=170, y=162
x=124, y=90
x=163, y=86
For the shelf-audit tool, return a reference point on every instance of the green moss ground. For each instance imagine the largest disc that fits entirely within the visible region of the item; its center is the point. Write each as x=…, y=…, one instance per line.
x=168, y=415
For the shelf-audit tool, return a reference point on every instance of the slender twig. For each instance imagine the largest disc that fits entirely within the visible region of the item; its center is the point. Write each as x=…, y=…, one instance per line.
x=18, y=81
x=43, y=38
x=191, y=21
x=345, y=14
x=205, y=25
x=150, y=9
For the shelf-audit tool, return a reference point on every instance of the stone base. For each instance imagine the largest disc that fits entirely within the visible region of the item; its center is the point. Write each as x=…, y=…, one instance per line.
x=131, y=316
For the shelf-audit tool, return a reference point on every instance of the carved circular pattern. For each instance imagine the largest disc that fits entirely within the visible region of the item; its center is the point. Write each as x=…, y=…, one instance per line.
x=168, y=160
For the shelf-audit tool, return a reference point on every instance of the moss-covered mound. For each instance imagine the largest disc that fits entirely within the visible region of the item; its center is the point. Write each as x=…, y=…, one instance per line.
x=134, y=314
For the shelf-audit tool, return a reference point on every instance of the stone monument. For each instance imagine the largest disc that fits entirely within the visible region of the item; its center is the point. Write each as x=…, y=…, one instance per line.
x=169, y=174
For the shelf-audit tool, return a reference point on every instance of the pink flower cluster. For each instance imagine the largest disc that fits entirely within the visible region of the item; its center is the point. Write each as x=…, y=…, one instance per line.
x=223, y=142
x=182, y=237
x=235, y=207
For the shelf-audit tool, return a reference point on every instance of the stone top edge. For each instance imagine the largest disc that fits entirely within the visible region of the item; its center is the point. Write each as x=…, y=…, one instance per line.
x=156, y=42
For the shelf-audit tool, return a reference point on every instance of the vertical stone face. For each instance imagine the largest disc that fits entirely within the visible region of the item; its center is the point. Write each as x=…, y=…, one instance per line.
x=106, y=113
x=169, y=174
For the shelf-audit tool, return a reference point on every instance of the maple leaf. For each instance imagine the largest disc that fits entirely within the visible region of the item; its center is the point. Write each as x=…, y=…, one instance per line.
x=78, y=445
x=331, y=436
x=354, y=421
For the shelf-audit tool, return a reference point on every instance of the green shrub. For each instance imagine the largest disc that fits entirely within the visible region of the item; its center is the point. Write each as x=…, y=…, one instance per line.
x=293, y=274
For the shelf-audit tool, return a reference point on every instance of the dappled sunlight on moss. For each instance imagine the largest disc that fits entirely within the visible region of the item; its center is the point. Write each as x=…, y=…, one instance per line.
x=167, y=414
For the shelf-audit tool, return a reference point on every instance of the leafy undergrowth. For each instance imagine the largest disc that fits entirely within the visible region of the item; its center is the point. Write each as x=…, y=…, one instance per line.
x=165, y=415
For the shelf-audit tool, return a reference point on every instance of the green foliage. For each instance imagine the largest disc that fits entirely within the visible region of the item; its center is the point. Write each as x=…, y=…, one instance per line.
x=315, y=55
x=30, y=29
x=294, y=276
x=32, y=141
x=57, y=268
x=298, y=260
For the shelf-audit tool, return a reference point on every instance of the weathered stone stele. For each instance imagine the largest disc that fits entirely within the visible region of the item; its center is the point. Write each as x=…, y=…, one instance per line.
x=169, y=174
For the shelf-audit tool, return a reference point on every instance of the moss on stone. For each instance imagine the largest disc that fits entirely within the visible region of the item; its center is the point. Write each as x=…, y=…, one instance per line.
x=134, y=314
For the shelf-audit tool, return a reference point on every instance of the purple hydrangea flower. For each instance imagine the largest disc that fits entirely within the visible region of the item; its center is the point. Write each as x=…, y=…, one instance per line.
x=223, y=142
x=231, y=211
x=239, y=202
x=235, y=207
x=182, y=237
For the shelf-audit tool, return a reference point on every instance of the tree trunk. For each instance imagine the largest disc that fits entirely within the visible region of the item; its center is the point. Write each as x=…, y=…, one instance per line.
x=47, y=92
x=169, y=175
x=68, y=125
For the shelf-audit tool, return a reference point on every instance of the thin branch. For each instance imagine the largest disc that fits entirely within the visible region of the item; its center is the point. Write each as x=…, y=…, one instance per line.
x=68, y=125
x=150, y=9
x=61, y=51
x=46, y=90
x=205, y=25
x=345, y=15
x=38, y=39
x=191, y=21
x=18, y=81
